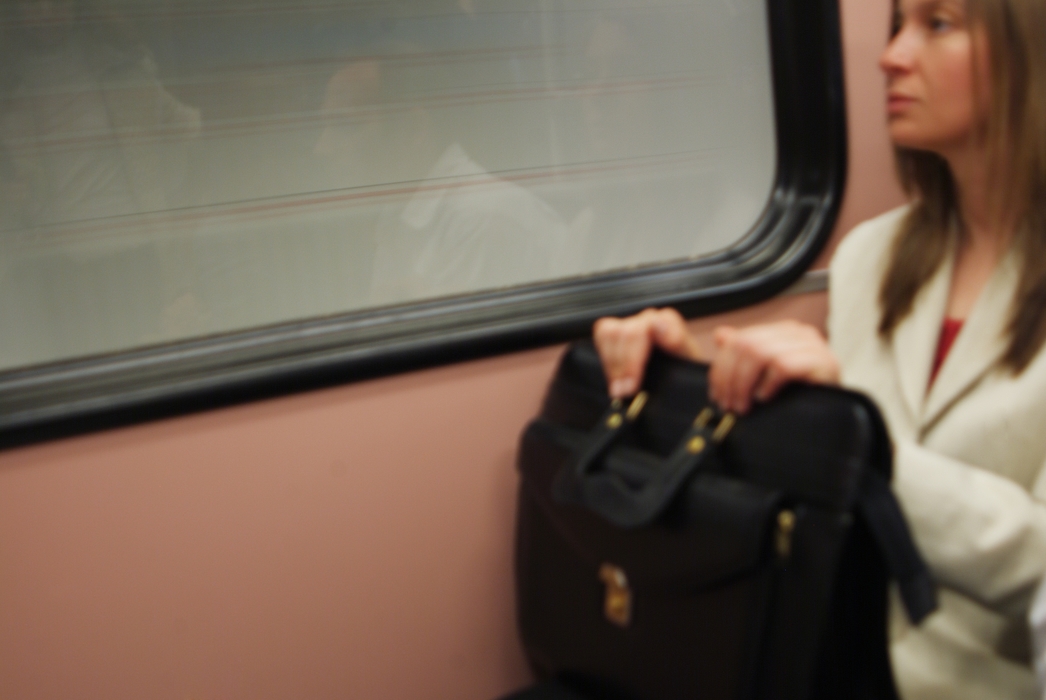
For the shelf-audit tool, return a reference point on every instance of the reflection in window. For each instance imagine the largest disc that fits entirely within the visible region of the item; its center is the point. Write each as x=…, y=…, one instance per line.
x=172, y=169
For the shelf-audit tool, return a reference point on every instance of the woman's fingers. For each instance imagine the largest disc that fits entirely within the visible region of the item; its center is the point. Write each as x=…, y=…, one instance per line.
x=748, y=369
x=721, y=371
x=754, y=363
x=608, y=337
x=633, y=350
x=671, y=334
x=749, y=364
x=736, y=368
x=771, y=381
x=624, y=345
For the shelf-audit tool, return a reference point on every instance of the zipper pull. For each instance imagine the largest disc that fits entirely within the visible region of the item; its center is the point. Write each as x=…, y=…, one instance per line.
x=783, y=535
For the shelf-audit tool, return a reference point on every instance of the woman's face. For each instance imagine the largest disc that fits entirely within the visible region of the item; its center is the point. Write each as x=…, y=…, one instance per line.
x=929, y=67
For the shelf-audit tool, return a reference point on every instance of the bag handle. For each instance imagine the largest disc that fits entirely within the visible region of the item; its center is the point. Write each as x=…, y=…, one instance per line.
x=608, y=494
x=613, y=425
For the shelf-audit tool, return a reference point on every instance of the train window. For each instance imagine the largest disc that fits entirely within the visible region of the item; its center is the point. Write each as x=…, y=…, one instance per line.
x=201, y=198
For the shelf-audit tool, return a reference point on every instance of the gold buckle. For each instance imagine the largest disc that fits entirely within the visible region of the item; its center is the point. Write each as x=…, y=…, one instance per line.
x=615, y=419
x=722, y=429
x=726, y=423
x=617, y=603
x=636, y=407
x=783, y=535
x=704, y=417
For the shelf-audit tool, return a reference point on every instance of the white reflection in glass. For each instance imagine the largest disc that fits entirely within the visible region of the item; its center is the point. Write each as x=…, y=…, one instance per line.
x=171, y=169
x=457, y=229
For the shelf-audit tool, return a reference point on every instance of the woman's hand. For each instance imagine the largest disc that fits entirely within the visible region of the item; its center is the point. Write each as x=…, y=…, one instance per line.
x=748, y=364
x=624, y=345
x=754, y=363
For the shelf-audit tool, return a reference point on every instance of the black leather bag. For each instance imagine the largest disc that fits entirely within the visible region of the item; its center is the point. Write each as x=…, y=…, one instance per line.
x=666, y=551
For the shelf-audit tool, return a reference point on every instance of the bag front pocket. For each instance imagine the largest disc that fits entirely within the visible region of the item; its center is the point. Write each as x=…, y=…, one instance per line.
x=676, y=608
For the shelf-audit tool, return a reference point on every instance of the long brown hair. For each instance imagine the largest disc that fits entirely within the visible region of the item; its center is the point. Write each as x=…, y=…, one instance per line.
x=1015, y=134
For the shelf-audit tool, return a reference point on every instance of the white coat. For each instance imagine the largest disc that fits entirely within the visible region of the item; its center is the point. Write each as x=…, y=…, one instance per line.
x=968, y=468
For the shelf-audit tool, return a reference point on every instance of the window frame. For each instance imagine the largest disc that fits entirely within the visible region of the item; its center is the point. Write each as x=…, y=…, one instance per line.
x=63, y=398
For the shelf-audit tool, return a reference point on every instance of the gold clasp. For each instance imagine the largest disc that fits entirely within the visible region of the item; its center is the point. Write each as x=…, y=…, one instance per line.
x=706, y=415
x=722, y=429
x=783, y=536
x=617, y=604
x=615, y=419
x=695, y=445
x=636, y=407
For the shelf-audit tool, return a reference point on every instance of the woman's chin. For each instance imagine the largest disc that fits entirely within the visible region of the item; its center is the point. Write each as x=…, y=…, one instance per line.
x=905, y=134
x=902, y=136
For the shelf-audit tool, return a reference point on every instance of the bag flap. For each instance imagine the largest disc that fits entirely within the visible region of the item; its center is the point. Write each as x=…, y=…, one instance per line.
x=717, y=529
x=811, y=442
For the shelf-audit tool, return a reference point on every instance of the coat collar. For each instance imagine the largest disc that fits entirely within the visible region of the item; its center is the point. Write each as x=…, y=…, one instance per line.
x=915, y=338
x=977, y=348
x=980, y=344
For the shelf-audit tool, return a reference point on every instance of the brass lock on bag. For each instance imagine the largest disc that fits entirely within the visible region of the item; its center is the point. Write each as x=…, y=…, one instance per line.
x=617, y=603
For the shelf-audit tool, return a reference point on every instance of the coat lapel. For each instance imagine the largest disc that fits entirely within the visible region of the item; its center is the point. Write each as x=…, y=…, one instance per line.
x=915, y=339
x=979, y=345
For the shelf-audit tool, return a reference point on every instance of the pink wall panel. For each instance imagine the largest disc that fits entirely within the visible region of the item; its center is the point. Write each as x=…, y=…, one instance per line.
x=348, y=543
x=353, y=542
x=871, y=187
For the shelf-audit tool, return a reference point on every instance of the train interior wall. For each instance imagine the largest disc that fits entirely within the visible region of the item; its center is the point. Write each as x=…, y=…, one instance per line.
x=352, y=542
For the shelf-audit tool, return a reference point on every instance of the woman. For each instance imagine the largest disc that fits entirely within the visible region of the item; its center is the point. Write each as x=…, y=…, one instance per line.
x=937, y=311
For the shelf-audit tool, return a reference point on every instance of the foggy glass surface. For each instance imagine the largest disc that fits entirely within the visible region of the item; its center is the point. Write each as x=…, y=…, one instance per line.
x=174, y=169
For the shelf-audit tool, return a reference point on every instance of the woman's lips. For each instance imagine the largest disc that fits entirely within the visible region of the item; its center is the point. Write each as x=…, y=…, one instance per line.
x=897, y=103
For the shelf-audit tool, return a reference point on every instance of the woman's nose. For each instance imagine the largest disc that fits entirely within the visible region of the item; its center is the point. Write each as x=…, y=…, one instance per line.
x=899, y=54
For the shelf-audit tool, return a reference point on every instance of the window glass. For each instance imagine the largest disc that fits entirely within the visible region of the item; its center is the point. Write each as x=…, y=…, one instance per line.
x=173, y=169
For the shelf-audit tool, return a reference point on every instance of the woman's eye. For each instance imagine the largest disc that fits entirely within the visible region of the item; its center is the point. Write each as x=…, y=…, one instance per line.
x=940, y=24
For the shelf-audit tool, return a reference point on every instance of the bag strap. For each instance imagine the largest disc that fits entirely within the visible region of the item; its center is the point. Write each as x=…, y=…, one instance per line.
x=877, y=503
x=610, y=496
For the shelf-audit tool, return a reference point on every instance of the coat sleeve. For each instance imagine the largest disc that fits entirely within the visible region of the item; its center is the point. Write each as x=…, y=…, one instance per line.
x=981, y=534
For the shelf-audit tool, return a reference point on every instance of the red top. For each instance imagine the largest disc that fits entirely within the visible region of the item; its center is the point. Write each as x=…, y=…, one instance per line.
x=949, y=329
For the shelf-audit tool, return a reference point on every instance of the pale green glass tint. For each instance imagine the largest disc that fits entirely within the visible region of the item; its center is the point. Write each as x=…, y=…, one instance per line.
x=173, y=169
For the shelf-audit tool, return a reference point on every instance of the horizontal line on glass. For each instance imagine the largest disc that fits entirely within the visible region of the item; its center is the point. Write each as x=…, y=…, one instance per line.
x=317, y=118
x=209, y=11
x=117, y=227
